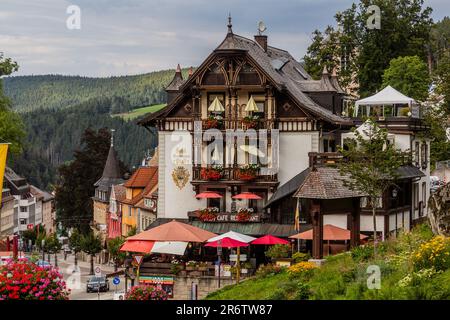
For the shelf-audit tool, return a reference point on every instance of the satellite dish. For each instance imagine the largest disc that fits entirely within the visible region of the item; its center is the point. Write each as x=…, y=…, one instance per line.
x=261, y=27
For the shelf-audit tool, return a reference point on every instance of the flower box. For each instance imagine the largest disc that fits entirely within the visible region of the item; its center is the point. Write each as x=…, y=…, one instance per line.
x=208, y=214
x=248, y=172
x=244, y=215
x=213, y=122
x=211, y=174
x=250, y=122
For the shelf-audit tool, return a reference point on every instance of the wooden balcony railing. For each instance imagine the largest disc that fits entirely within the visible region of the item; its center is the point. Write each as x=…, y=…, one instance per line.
x=232, y=173
x=225, y=124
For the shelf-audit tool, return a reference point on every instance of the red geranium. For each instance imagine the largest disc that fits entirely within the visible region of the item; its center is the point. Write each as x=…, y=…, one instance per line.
x=23, y=280
x=146, y=292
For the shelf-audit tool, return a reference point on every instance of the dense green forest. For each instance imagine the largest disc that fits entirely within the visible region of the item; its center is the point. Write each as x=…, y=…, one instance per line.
x=54, y=134
x=29, y=93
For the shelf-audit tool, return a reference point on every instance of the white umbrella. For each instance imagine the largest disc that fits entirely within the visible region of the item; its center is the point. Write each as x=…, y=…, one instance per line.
x=251, y=105
x=170, y=247
x=216, y=106
x=233, y=235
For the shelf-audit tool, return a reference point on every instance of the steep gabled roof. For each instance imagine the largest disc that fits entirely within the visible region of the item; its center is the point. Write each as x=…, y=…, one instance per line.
x=111, y=173
x=141, y=177
x=286, y=73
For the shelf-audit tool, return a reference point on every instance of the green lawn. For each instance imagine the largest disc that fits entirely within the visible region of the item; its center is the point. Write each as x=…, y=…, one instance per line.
x=345, y=276
x=140, y=112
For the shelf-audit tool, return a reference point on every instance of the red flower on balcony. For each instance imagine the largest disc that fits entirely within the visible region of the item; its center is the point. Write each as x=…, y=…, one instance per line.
x=212, y=173
x=208, y=214
x=213, y=122
x=251, y=122
x=248, y=172
x=244, y=214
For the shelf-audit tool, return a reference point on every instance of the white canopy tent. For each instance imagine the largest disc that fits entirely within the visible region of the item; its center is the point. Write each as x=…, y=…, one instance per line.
x=387, y=96
x=233, y=235
x=170, y=247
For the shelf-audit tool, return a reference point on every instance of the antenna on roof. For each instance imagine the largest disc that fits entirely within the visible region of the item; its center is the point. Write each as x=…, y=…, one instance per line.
x=261, y=27
x=112, y=137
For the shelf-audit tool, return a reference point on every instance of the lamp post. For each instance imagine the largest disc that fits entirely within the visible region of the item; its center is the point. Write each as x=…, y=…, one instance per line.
x=43, y=250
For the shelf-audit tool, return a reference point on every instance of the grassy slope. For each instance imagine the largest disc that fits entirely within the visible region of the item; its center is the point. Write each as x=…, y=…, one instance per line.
x=140, y=112
x=344, y=277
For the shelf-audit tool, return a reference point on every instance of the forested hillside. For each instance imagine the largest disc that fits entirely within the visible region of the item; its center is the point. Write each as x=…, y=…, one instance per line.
x=29, y=93
x=53, y=135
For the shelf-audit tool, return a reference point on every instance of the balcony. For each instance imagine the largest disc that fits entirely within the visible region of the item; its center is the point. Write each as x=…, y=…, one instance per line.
x=229, y=217
x=231, y=175
x=235, y=124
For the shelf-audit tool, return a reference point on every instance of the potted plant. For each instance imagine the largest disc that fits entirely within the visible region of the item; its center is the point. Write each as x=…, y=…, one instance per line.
x=176, y=267
x=248, y=172
x=212, y=173
x=208, y=214
x=191, y=265
x=203, y=266
x=279, y=253
x=244, y=214
x=245, y=267
x=213, y=122
x=251, y=122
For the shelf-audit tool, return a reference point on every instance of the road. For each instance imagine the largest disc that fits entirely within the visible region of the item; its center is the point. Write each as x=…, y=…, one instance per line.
x=77, y=281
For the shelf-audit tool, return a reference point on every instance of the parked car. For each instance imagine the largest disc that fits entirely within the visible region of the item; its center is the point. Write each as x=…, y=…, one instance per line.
x=43, y=264
x=95, y=284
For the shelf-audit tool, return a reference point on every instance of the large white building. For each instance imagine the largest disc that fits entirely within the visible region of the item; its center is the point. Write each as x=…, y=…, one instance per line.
x=245, y=88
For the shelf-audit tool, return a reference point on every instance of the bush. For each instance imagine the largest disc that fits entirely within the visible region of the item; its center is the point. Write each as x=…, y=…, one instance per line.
x=300, y=256
x=303, y=291
x=278, y=251
x=23, y=280
x=301, y=269
x=145, y=292
x=268, y=270
x=362, y=253
x=434, y=253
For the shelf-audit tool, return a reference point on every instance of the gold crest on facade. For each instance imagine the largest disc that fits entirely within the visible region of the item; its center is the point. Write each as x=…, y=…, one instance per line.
x=180, y=176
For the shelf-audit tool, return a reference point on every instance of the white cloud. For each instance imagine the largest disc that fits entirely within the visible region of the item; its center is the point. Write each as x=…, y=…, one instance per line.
x=138, y=36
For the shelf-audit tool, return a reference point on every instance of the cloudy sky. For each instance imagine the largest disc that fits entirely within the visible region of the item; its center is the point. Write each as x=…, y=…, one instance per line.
x=119, y=37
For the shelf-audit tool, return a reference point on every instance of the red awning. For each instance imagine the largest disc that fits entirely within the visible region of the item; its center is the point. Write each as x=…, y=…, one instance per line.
x=269, y=240
x=226, y=243
x=208, y=195
x=247, y=195
x=137, y=246
x=330, y=232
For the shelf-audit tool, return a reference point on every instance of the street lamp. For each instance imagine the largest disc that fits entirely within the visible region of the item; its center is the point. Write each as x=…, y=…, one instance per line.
x=43, y=251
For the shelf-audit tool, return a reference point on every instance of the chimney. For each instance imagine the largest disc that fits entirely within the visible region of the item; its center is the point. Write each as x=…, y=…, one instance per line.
x=262, y=41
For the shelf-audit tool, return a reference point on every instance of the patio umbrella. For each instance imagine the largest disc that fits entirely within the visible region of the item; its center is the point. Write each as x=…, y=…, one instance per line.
x=216, y=106
x=174, y=231
x=170, y=247
x=208, y=195
x=226, y=243
x=137, y=246
x=330, y=232
x=233, y=235
x=251, y=105
x=269, y=240
x=247, y=195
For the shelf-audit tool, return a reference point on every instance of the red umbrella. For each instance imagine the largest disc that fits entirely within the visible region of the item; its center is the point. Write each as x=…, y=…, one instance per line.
x=269, y=240
x=208, y=195
x=226, y=243
x=247, y=195
x=137, y=246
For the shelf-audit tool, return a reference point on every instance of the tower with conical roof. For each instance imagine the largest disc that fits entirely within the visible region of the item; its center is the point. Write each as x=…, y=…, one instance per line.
x=111, y=176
